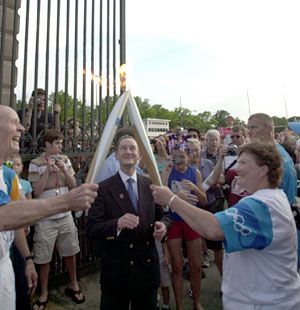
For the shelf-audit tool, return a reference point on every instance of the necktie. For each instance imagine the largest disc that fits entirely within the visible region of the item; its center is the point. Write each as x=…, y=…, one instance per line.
x=132, y=195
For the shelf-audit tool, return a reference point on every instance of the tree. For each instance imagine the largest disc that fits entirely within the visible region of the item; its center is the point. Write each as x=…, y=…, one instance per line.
x=279, y=123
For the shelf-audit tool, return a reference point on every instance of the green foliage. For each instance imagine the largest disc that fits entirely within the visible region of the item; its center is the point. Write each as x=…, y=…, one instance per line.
x=279, y=123
x=178, y=117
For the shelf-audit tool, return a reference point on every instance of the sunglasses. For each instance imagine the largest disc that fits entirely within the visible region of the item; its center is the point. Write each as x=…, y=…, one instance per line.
x=235, y=136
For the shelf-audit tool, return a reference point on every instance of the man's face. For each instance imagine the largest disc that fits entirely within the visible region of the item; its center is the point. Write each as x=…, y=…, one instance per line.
x=128, y=153
x=256, y=129
x=194, y=135
x=10, y=133
x=40, y=101
x=54, y=148
x=237, y=137
x=194, y=155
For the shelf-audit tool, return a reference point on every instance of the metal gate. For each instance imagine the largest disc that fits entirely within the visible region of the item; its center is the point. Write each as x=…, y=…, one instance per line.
x=75, y=51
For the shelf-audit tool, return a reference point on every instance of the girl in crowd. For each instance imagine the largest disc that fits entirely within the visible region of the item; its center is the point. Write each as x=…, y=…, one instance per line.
x=22, y=297
x=187, y=182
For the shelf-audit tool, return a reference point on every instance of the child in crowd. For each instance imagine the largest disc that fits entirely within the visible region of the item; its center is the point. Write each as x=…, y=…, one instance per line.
x=22, y=297
x=17, y=165
x=164, y=265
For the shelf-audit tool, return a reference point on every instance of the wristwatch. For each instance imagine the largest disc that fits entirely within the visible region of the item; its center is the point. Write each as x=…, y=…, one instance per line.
x=28, y=257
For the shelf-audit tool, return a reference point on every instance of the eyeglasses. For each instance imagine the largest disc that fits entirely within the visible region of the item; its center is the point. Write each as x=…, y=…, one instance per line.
x=235, y=136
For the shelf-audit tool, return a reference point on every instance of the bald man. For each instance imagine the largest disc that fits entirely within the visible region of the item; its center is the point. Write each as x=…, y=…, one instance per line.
x=17, y=214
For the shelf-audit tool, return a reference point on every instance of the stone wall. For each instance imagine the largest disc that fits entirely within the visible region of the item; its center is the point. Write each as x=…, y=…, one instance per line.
x=8, y=57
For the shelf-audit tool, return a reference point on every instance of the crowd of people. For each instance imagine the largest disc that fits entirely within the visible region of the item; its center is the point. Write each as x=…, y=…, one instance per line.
x=230, y=191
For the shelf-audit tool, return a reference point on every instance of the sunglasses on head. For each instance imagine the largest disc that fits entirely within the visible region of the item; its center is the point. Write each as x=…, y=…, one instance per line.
x=235, y=136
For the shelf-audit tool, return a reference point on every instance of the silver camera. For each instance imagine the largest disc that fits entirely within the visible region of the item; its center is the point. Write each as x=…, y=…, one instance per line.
x=232, y=149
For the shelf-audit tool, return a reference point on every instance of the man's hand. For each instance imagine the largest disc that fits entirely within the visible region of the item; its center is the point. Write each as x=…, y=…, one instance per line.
x=186, y=196
x=31, y=276
x=160, y=230
x=223, y=151
x=57, y=108
x=129, y=221
x=61, y=165
x=81, y=198
x=30, y=106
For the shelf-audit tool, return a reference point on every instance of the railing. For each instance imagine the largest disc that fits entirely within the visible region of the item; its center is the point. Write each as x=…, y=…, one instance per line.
x=70, y=49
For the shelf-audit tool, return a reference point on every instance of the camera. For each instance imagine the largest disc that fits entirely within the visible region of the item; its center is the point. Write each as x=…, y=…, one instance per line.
x=152, y=141
x=232, y=150
x=38, y=100
x=57, y=159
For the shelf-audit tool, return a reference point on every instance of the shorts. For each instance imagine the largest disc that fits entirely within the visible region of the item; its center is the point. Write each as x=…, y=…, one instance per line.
x=61, y=232
x=165, y=279
x=181, y=230
x=214, y=245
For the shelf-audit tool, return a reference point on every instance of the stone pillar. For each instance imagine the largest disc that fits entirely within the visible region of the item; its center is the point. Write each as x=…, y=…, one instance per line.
x=8, y=58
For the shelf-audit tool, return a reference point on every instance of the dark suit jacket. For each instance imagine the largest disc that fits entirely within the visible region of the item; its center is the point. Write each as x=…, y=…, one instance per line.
x=130, y=262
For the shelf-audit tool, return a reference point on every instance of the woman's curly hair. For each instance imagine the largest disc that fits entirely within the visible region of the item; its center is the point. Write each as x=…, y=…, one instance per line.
x=266, y=154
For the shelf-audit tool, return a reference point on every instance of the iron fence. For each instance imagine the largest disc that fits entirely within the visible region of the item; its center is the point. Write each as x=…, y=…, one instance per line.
x=71, y=50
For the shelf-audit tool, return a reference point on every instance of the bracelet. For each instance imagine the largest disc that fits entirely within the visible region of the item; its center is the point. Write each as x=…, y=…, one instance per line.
x=171, y=200
x=27, y=258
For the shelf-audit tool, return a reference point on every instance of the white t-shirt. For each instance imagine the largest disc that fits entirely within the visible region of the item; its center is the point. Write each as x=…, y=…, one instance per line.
x=260, y=259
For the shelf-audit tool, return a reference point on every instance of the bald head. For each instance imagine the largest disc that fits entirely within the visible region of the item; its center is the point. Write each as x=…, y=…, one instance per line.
x=10, y=132
x=5, y=111
x=261, y=126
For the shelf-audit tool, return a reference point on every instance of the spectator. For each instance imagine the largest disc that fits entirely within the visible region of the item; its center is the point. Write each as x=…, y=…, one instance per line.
x=226, y=135
x=40, y=100
x=17, y=166
x=206, y=167
x=259, y=234
x=126, y=221
x=164, y=268
x=160, y=153
x=52, y=175
x=194, y=133
x=212, y=153
x=261, y=126
x=225, y=170
x=187, y=182
x=22, y=296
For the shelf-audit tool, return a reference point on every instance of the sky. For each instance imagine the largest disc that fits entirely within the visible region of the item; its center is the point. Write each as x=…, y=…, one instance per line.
x=234, y=55
x=242, y=56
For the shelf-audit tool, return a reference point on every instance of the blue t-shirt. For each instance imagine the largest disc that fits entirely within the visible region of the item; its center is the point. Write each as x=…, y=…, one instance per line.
x=246, y=225
x=160, y=166
x=174, y=180
x=26, y=187
x=289, y=177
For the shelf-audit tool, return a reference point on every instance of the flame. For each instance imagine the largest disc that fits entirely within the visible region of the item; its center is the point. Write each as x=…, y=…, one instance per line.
x=97, y=79
x=123, y=77
x=123, y=69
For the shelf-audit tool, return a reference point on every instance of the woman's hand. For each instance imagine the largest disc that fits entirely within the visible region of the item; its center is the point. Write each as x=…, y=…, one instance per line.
x=161, y=194
x=188, y=185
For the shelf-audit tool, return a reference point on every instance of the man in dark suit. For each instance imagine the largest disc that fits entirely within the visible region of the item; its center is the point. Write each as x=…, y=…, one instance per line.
x=126, y=220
